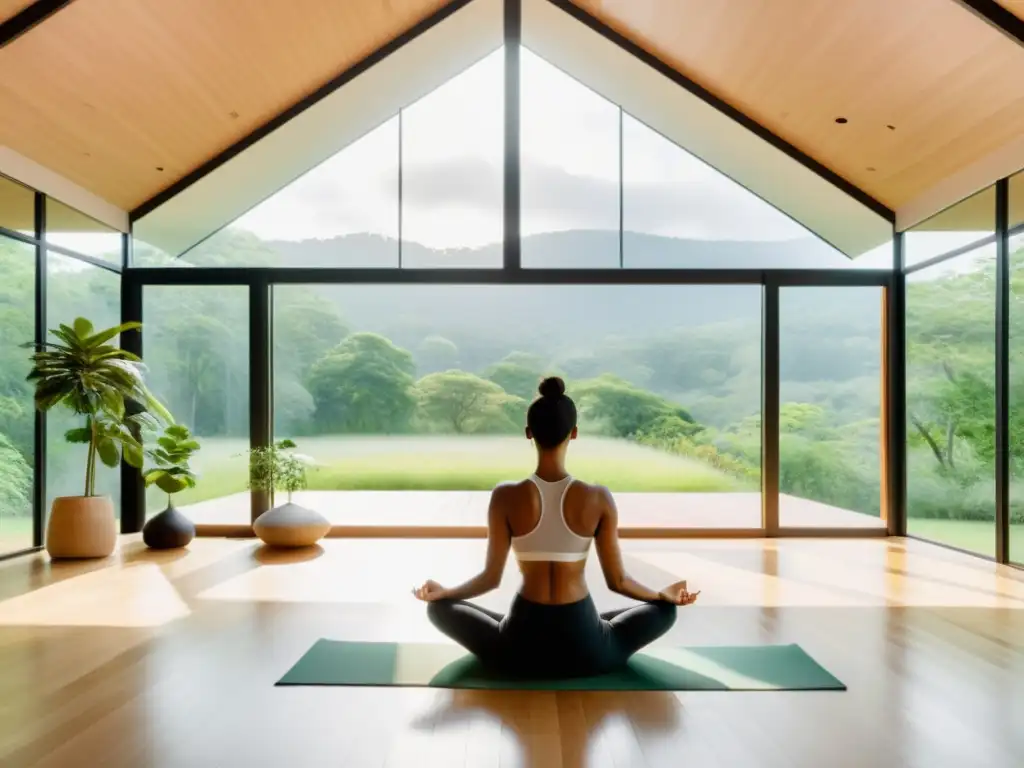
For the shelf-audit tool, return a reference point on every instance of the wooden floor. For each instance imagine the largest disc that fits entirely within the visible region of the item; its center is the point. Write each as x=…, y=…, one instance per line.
x=170, y=660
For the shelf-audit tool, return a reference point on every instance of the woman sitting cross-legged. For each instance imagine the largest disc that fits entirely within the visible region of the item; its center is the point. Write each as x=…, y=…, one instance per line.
x=553, y=628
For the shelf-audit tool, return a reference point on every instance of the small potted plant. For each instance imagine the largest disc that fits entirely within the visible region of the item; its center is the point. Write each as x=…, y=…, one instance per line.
x=171, y=473
x=82, y=371
x=278, y=468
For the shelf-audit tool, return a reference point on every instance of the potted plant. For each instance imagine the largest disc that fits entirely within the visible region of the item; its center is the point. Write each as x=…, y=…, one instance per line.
x=82, y=371
x=172, y=474
x=278, y=468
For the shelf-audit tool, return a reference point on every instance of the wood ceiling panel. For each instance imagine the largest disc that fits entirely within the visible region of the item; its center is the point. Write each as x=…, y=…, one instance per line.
x=947, y=83
x=11, y=8
x=126, y=96
x=1016, y=7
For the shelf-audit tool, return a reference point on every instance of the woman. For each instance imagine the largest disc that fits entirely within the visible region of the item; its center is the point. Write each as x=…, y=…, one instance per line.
x=549, y=520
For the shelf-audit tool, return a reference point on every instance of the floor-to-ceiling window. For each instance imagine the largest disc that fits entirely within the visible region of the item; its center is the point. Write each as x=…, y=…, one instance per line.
x=71, y=268
x=950, y=337
x=196, y=347
x=830, y=411
x=17, y=326
x=425, y=389
x=76, y=289
x=1015, y=252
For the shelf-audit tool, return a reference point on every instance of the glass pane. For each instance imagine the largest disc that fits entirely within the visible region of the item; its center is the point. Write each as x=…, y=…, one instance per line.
x=424, y=389
x=1017, y=199
x=830, y=407
x=17, y=208
x=17, y=412
x=77, y=232
x=951, y=402
x=880, y=257
x=1017, y=398
x=75, y=289
x=452, y=171
x=680, y=212
x=962, y=224
x=343, y=213
x=570, y=171
x=196, y=348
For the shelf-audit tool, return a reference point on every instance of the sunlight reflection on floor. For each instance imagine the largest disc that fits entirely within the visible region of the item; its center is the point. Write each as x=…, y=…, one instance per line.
x=137, y=595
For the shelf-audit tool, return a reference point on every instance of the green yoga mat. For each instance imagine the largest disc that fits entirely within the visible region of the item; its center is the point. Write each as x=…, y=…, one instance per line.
x=721, y=668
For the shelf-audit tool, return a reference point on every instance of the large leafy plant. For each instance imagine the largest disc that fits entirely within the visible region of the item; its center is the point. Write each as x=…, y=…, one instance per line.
x=171, y=472
x=84, y=372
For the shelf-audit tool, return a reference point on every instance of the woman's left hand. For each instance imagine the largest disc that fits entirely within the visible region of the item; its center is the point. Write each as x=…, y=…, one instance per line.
x=429, y=592
x=678, y=594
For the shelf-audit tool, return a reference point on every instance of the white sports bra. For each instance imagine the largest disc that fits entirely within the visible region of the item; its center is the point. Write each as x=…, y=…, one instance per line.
x=551, y=540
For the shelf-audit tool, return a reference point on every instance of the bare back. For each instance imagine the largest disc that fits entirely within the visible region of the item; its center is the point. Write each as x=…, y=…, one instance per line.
x=584, y=508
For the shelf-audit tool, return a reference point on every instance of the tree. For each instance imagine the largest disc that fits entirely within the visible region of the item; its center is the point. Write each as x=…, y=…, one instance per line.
x=15, y=479
x=363, y=387
x=623, y=410
x=950, y=385
x=306, y=327
x=198, y=362
x=293, y=406
x=515, y=378
x=17, y=325
x=197, y=355
x=461, y=402
x=951, y=413
x=436, y=353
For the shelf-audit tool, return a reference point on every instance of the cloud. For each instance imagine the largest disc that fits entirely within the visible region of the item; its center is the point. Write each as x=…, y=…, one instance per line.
x=555, y=199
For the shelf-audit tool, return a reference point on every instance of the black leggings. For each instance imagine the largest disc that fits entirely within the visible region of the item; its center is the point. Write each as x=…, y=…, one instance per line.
x=538, y=640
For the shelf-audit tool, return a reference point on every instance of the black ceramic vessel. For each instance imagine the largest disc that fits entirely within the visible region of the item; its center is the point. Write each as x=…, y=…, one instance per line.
x=168, y=530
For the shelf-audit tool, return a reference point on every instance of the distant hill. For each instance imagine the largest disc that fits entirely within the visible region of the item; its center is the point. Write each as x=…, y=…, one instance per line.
x=555, y=312
x=563, y=250
x=573, y=321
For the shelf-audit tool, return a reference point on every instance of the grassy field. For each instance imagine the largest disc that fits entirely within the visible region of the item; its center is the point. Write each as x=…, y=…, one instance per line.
x=15, y=533
x=972, y=535
x=453, y=463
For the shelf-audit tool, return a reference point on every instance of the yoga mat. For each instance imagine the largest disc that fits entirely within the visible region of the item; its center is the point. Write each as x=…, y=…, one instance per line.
x=720, y=668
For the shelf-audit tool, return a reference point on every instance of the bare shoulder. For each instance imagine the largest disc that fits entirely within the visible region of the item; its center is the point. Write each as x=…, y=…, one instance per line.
x=593, y=491
x=596, y=497
x=509, y=492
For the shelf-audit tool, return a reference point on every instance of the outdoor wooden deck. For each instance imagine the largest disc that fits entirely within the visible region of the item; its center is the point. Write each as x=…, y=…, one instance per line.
x=464, y=509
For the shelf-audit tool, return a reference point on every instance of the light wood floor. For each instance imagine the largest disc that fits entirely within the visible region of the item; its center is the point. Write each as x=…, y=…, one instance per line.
x=170, y=660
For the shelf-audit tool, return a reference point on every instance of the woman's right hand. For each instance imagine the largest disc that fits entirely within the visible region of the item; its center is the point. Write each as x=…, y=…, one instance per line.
x=429, y=592
x=678, y=594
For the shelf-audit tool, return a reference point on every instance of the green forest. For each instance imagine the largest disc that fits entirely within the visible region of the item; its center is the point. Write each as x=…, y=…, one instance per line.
x=672, y=369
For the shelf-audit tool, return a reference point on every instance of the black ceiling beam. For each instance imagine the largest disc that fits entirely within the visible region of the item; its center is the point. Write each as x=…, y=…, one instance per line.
x=727, y=109
x=276, y=122
x=997, y=16
x=27, y=18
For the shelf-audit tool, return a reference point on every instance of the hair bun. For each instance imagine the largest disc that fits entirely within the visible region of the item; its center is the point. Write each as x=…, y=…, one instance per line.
x=553, y=386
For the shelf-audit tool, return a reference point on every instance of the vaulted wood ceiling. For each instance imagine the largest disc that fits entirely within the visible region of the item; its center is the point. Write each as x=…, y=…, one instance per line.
x=924, y=85
x=10, y=8
x=1015, y=7
x=124, y=97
